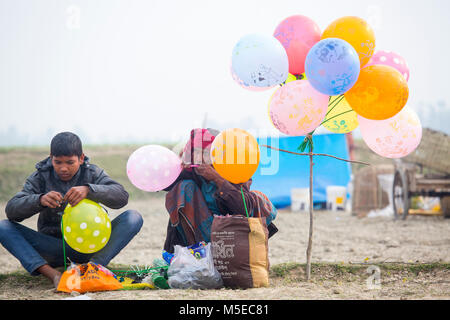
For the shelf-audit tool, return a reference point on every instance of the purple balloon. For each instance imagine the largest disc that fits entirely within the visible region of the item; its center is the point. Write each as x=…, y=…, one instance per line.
x=332, y=66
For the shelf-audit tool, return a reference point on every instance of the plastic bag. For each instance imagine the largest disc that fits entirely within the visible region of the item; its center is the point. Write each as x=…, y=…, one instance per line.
x=88, y=277
x=198, y=250
x=186, y=271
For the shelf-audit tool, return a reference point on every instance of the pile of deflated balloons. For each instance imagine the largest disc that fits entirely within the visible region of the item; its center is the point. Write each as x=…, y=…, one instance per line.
x=333, y=78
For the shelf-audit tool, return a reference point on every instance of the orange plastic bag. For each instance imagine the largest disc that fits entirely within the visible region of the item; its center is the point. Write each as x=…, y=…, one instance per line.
x=88, y=277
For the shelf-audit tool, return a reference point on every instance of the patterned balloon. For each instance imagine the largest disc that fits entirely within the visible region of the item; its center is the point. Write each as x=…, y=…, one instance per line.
x=355, y=31
x=297, y=34
x=391, y=59
x=332, y=66
x=259, y=62
x=379, y=94
x=395, y=137
x=297, y=108
x=244, y=85
x=340, y=118
x=86, y=226
x=153, y=168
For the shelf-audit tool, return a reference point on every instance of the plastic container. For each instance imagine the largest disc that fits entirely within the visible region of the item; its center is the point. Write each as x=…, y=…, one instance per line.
x=167, y=256
x=336, y=198
x=299, y=199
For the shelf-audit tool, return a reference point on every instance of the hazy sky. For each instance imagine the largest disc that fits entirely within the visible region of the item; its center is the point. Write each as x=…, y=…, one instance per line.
x=136, y=71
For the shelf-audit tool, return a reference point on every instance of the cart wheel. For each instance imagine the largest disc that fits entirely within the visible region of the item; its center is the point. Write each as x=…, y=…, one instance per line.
x=400, y=195
x=445, y=207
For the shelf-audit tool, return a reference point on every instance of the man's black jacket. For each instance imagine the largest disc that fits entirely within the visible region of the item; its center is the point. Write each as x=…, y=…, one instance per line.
x=26, y=203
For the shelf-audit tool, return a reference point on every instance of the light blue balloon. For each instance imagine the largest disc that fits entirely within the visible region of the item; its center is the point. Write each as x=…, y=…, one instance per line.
x=259, y=61
x=332, y=66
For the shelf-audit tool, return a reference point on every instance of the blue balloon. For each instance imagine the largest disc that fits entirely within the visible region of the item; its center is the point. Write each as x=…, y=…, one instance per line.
x=259, y=62
x=332, y=66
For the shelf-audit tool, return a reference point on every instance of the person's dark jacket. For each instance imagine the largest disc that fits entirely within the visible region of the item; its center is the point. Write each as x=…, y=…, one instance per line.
x=26, y=203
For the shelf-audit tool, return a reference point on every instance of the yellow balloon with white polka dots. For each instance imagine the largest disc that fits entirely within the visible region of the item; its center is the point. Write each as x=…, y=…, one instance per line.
x=86, y=226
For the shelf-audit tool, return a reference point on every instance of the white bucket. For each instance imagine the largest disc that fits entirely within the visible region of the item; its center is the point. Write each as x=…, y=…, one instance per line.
x=336, y=198
x=300, y=199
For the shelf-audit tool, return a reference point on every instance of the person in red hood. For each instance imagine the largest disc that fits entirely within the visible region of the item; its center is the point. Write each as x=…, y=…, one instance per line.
x=200, y=192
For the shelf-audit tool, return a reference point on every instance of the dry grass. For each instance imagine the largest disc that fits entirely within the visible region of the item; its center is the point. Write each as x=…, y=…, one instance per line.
x=287, y=282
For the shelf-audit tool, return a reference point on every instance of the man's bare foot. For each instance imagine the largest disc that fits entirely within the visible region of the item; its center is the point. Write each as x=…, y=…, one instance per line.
x=56, y=280
x=52, y=274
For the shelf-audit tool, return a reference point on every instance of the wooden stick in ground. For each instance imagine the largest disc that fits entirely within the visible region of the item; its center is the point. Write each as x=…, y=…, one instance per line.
x=311, y=218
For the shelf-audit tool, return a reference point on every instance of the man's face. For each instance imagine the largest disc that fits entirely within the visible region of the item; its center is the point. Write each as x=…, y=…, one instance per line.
x=67, y=166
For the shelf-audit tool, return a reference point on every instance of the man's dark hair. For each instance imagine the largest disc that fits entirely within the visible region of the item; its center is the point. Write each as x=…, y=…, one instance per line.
x=66, y=144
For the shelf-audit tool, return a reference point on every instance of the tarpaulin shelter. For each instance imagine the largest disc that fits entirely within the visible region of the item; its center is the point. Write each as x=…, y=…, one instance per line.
x=279, y=172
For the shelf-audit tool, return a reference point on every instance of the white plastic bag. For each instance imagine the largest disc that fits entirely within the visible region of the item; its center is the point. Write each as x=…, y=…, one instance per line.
x=187, y=271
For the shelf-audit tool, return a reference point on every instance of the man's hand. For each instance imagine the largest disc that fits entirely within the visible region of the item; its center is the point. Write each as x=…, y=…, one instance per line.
x=52, y=199
x=76, y=194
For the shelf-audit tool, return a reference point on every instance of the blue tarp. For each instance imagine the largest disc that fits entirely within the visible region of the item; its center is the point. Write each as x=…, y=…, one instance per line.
x=279, y=172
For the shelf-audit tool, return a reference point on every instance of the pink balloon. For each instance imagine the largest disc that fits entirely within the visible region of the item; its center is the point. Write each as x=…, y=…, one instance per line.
x=390, y=59
x=297, y=108
x=153, y=168
x=298, y=34
x=395, y=137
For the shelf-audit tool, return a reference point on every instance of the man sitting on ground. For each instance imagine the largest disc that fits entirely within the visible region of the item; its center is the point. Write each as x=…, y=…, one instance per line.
x=66, y=176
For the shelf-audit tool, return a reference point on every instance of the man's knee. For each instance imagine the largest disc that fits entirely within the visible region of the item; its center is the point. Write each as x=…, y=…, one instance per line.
x=134, y=219
x=5, y=227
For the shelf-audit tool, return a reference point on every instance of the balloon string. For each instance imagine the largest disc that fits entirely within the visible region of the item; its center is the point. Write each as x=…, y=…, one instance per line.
x=338, y=115
x=334, y=103
x=329, y=100
x=307, y=142
x=243, y=198
x=64, y=244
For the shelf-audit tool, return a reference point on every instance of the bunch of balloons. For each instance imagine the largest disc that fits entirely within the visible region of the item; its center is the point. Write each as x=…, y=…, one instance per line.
x=333, y=78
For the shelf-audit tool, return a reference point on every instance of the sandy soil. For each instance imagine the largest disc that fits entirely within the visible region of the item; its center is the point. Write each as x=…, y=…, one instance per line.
x=338, y=238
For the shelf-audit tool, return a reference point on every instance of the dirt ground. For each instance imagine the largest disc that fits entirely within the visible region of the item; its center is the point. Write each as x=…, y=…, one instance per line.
x=340, y=239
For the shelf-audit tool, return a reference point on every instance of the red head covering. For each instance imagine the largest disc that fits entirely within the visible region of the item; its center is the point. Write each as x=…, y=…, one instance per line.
x=198, y=147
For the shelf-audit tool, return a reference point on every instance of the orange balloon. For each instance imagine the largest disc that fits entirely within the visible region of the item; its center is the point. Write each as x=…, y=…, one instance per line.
x=380, y=93
x=235, y=155
x=355, y=31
